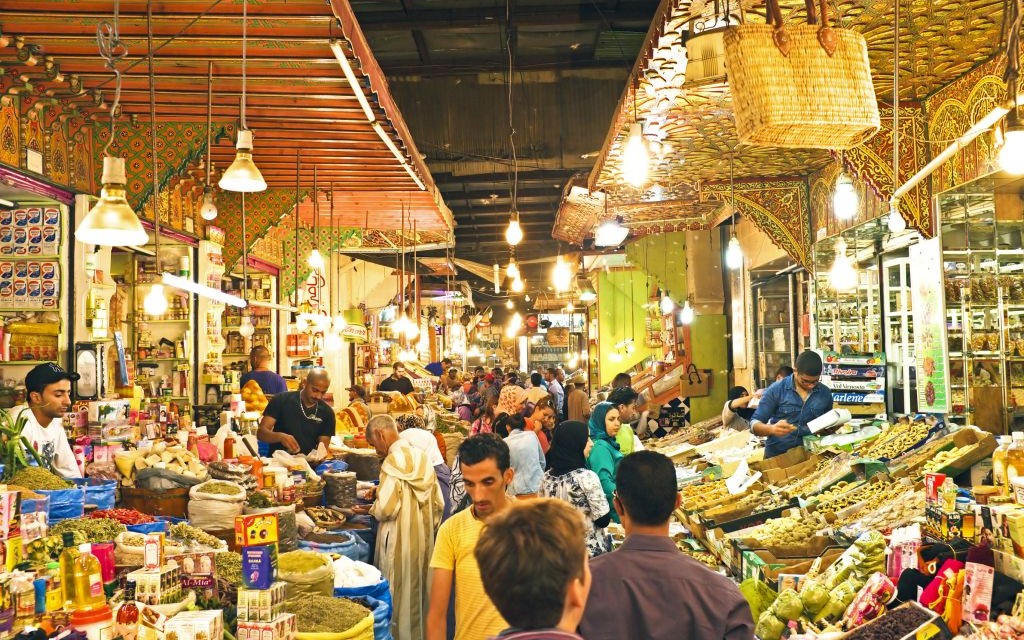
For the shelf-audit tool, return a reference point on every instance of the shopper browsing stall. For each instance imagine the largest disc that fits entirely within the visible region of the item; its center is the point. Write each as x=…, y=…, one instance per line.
x=533, y=544
x=789, y=404
x=647, y=588
x=397, y=381
x=408, y=507
x=605, y=457
x=486, y=473
x=299, y=421
x=268, y=379
x=49, y=397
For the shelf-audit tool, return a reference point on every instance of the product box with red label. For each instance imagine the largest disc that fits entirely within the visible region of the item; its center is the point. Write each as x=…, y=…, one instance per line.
x=255, y=529
x=283, y=627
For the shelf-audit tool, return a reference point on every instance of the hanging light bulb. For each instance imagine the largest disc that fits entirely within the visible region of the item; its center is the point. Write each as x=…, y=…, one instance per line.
x=332, y=343
x=845, y=200
x=635, y=157
x=518, y=285
x=734, y=253
x=514, y=232
x=246, y=328
x=322, y=322
x=615, y=356
x=895, y=220
x=412, y=329
x=209, y=209
x=155, y=303
x=667, y=305
x=243, y=176
x=339, y=324
x=316, y=260
x=610, y=233
x=301, y=323
x=111, y=221
x=561, y=275
x=570, y=307
x=843, y=275
x=1011, y=156
x=512, y=271
x=686, y=313
x=509, y=304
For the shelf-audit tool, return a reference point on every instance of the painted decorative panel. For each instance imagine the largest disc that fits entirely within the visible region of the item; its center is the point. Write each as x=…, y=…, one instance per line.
x=57, y=165
x=10, y=131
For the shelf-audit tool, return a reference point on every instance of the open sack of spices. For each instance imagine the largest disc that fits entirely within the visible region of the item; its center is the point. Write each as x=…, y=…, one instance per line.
x=213, y=505
x=321, y=617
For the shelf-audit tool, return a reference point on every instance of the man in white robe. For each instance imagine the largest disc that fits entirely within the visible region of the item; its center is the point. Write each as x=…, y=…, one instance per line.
x=408, y=508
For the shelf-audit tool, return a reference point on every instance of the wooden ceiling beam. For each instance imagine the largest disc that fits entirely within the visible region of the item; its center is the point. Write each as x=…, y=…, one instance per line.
x=187, y=11
x=638, y=15
x=87, y=68
x=464, y=65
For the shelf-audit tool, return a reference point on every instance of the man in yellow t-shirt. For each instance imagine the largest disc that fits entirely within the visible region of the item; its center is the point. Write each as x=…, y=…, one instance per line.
x=486, y=473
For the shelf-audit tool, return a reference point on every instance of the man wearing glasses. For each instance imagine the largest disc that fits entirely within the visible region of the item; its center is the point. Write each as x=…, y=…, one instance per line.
x=789, y=404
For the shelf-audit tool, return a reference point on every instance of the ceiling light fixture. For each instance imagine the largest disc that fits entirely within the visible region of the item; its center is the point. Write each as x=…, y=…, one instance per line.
x=667, y=305
x=843, y=275
x=895, y=220
x=514, y=232
x=635, y=157
x=155, y=303
x=561, y=275
x=1011, y=155
x=246, y=328
x=733, y=251
x=509, y=304
x=208, y=211
x=686, y=313
x=610, y=233
x=111, y=221
x=243, y=175
x=512, y=271
x=518, y=285
x=202, y=290
x=845, y=200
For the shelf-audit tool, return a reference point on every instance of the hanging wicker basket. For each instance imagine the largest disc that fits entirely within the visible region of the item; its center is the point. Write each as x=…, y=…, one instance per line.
x=800, y=86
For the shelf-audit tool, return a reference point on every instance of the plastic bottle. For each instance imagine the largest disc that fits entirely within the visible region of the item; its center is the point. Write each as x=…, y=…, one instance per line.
x=54, y=592
x=88, y=580
x=948, y=494
x=68, y=560
x=999, y=464
x=1014, y=460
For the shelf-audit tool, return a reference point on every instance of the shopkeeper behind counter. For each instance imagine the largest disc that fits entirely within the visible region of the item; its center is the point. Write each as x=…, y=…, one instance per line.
x=49, y=398
x=298, y=421
x=789, y=404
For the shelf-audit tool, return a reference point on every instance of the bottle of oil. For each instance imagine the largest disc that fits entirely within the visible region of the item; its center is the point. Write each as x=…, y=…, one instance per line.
x=1015, y=460
x=999, y=464
x=68, y=561
x=88, y=580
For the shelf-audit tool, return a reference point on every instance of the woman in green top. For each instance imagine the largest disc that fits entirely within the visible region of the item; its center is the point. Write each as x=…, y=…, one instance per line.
x=605, y=455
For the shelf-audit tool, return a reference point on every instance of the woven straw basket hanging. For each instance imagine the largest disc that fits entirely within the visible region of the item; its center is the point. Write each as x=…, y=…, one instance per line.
x=800, y=86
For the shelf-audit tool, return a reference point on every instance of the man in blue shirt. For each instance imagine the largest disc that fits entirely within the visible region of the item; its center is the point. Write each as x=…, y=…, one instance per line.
x=789, y=404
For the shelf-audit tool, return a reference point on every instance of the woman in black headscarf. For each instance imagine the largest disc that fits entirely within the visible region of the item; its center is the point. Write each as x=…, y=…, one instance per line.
x=568, y=478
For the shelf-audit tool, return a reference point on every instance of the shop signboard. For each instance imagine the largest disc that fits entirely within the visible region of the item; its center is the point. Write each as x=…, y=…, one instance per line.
x=931, y=350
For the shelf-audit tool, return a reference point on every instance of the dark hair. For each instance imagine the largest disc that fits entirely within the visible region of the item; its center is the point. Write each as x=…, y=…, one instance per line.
x=736, y=393
x=497, y=372
x=478, y=368
x=512, y=378
x=395, y=366
x=536, y=379
x=621, y=380
x=646, y=487
x=528, y=557
x=623, y=395
x=553, y=371
x=446, y=361
x=785, y=371
x=808, y=363
x=476, y=449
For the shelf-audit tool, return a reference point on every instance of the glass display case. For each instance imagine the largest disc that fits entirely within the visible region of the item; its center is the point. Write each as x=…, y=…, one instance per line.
x=899, y=333
x=982, y=235
x=775, y=331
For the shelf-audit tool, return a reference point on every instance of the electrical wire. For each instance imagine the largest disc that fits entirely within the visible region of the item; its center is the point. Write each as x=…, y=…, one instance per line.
x=511, y=124
x=152, y=130
x=112, y=50
x=209, y=120
x=896, y=100
x=245, y=42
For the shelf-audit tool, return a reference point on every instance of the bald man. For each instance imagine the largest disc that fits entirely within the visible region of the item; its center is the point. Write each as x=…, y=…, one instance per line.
x=260, y=371
x=298, y=421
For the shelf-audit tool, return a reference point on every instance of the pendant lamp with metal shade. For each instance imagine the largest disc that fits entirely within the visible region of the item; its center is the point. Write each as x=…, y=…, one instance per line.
x=209, y=209
x=243, y=175
x=111, y=221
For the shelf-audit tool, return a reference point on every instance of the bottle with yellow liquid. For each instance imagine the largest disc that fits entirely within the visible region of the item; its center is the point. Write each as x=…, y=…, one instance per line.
x=999, y=464
x=88, y=580
x=68, y=562
x=1014, y=460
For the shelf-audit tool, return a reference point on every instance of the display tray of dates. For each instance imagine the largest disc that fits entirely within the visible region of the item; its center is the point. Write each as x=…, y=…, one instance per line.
x=902, y=623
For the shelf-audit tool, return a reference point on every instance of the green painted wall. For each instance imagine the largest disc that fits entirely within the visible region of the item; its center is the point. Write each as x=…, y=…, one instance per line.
x=620, y=299
x=710, y=351
x=663, y=257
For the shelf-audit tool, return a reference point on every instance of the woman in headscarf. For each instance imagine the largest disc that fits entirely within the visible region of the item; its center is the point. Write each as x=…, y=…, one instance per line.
x=413, y=430
x=568, y=478
x=605, y=456
x=510, y=403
